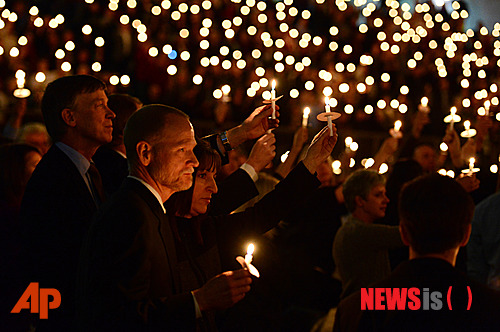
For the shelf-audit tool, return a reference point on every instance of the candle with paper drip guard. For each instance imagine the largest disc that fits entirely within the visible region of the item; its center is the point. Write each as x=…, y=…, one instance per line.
x=452, y=118
x=328, y=115
x=471, y=170
x=468, y=132
x=246, y=262
x=305, y=116
x=423, y=107
x=396, y=131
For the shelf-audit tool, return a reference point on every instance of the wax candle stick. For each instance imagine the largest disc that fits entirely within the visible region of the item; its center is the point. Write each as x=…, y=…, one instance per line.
x=329, y=119
x=273, y=99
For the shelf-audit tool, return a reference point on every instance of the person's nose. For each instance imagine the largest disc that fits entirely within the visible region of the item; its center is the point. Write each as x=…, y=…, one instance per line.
x=109, y=113
x=192, y=161
x=212, y=186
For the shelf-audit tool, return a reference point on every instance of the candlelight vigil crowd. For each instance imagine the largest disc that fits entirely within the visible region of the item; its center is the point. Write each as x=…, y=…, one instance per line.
x=248, y=165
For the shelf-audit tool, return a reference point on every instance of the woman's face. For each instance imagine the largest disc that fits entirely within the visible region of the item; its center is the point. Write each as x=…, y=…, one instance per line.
x=31, y=159
x=204, y=187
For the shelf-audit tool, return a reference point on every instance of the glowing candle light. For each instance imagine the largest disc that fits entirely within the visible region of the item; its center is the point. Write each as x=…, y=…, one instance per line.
x=246, y=262
x=396, y=131
x=329, y=119
x=305, y=116
x=468, y=132
x=424, y=105
x=424, y=101
x=471, y=170
x=452, y=118
x=249, y=255
x=487, y=105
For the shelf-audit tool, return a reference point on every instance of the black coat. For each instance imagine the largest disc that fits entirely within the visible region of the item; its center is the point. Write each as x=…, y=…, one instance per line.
x=56, y=212
x=128, y=279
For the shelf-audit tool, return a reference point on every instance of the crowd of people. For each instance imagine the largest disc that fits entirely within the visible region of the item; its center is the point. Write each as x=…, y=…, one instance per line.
x=125, y=215
x=134, y=211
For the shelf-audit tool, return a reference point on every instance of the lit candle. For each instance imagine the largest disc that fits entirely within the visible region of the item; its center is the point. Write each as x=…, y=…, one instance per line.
x=225, y=90
x=329, y=119
x=468, y=132
x=273, y=98
x=249, y=255
x=396, y=131
x=471, y=165
x=305, y=116
x=424, y=101
x=452, y=118
x=246, y=262
x=487, y=107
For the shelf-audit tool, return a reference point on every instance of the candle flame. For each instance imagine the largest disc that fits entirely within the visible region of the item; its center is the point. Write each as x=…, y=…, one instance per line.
x=307, y=110
x=327, y=101
x=424, y=101
x=348, y=141
x=397, y=125
x=472, y=160
x=453, y=110
x=273, y=84
x=250, y=249
x=467, y=124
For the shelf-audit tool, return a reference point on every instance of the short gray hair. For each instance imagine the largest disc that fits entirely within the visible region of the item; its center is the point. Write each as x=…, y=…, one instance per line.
x=360, y=183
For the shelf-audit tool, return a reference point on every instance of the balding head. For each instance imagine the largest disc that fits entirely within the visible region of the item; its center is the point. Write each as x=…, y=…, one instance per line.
x=149, y=124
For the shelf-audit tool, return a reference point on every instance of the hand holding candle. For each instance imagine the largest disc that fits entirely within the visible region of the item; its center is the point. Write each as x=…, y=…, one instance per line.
x=246, y=262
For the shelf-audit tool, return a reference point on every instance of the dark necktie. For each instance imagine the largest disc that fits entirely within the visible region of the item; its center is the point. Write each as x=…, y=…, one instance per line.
x=96, y=184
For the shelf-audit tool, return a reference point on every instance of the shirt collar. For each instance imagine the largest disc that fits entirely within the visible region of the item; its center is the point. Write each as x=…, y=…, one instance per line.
x=152, y=190
x=81, y=163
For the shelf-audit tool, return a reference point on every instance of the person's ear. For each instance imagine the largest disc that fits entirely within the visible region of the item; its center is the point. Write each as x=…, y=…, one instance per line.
x=404, y=235
x=467, y=236
x=359, y=201
x=68, y=117
x=144, y=152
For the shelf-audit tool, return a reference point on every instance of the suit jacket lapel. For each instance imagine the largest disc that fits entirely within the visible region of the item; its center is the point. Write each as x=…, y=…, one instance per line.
x=79, y=183
x=164, y=229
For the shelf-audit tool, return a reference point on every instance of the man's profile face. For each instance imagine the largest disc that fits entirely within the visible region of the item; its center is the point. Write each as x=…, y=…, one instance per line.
x=376, y=202
x=93, y=117
x=173, y=160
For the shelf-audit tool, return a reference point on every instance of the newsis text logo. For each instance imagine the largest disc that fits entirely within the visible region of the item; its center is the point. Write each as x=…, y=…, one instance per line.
x=407, y=298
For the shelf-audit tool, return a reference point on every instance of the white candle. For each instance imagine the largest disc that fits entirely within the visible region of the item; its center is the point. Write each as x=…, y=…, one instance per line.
x=248, y=256
x=273, y=98
x=487, y=107
x=328, y=118
x=305, y=116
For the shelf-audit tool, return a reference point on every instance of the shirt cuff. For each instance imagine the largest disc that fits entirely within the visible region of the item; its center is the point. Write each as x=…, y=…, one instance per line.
x=251, y=171
x=196, y=307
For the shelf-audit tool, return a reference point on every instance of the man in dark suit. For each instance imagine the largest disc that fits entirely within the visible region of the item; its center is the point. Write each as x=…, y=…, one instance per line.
x=435, y=221
x=64, y=193
x=129, y=278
